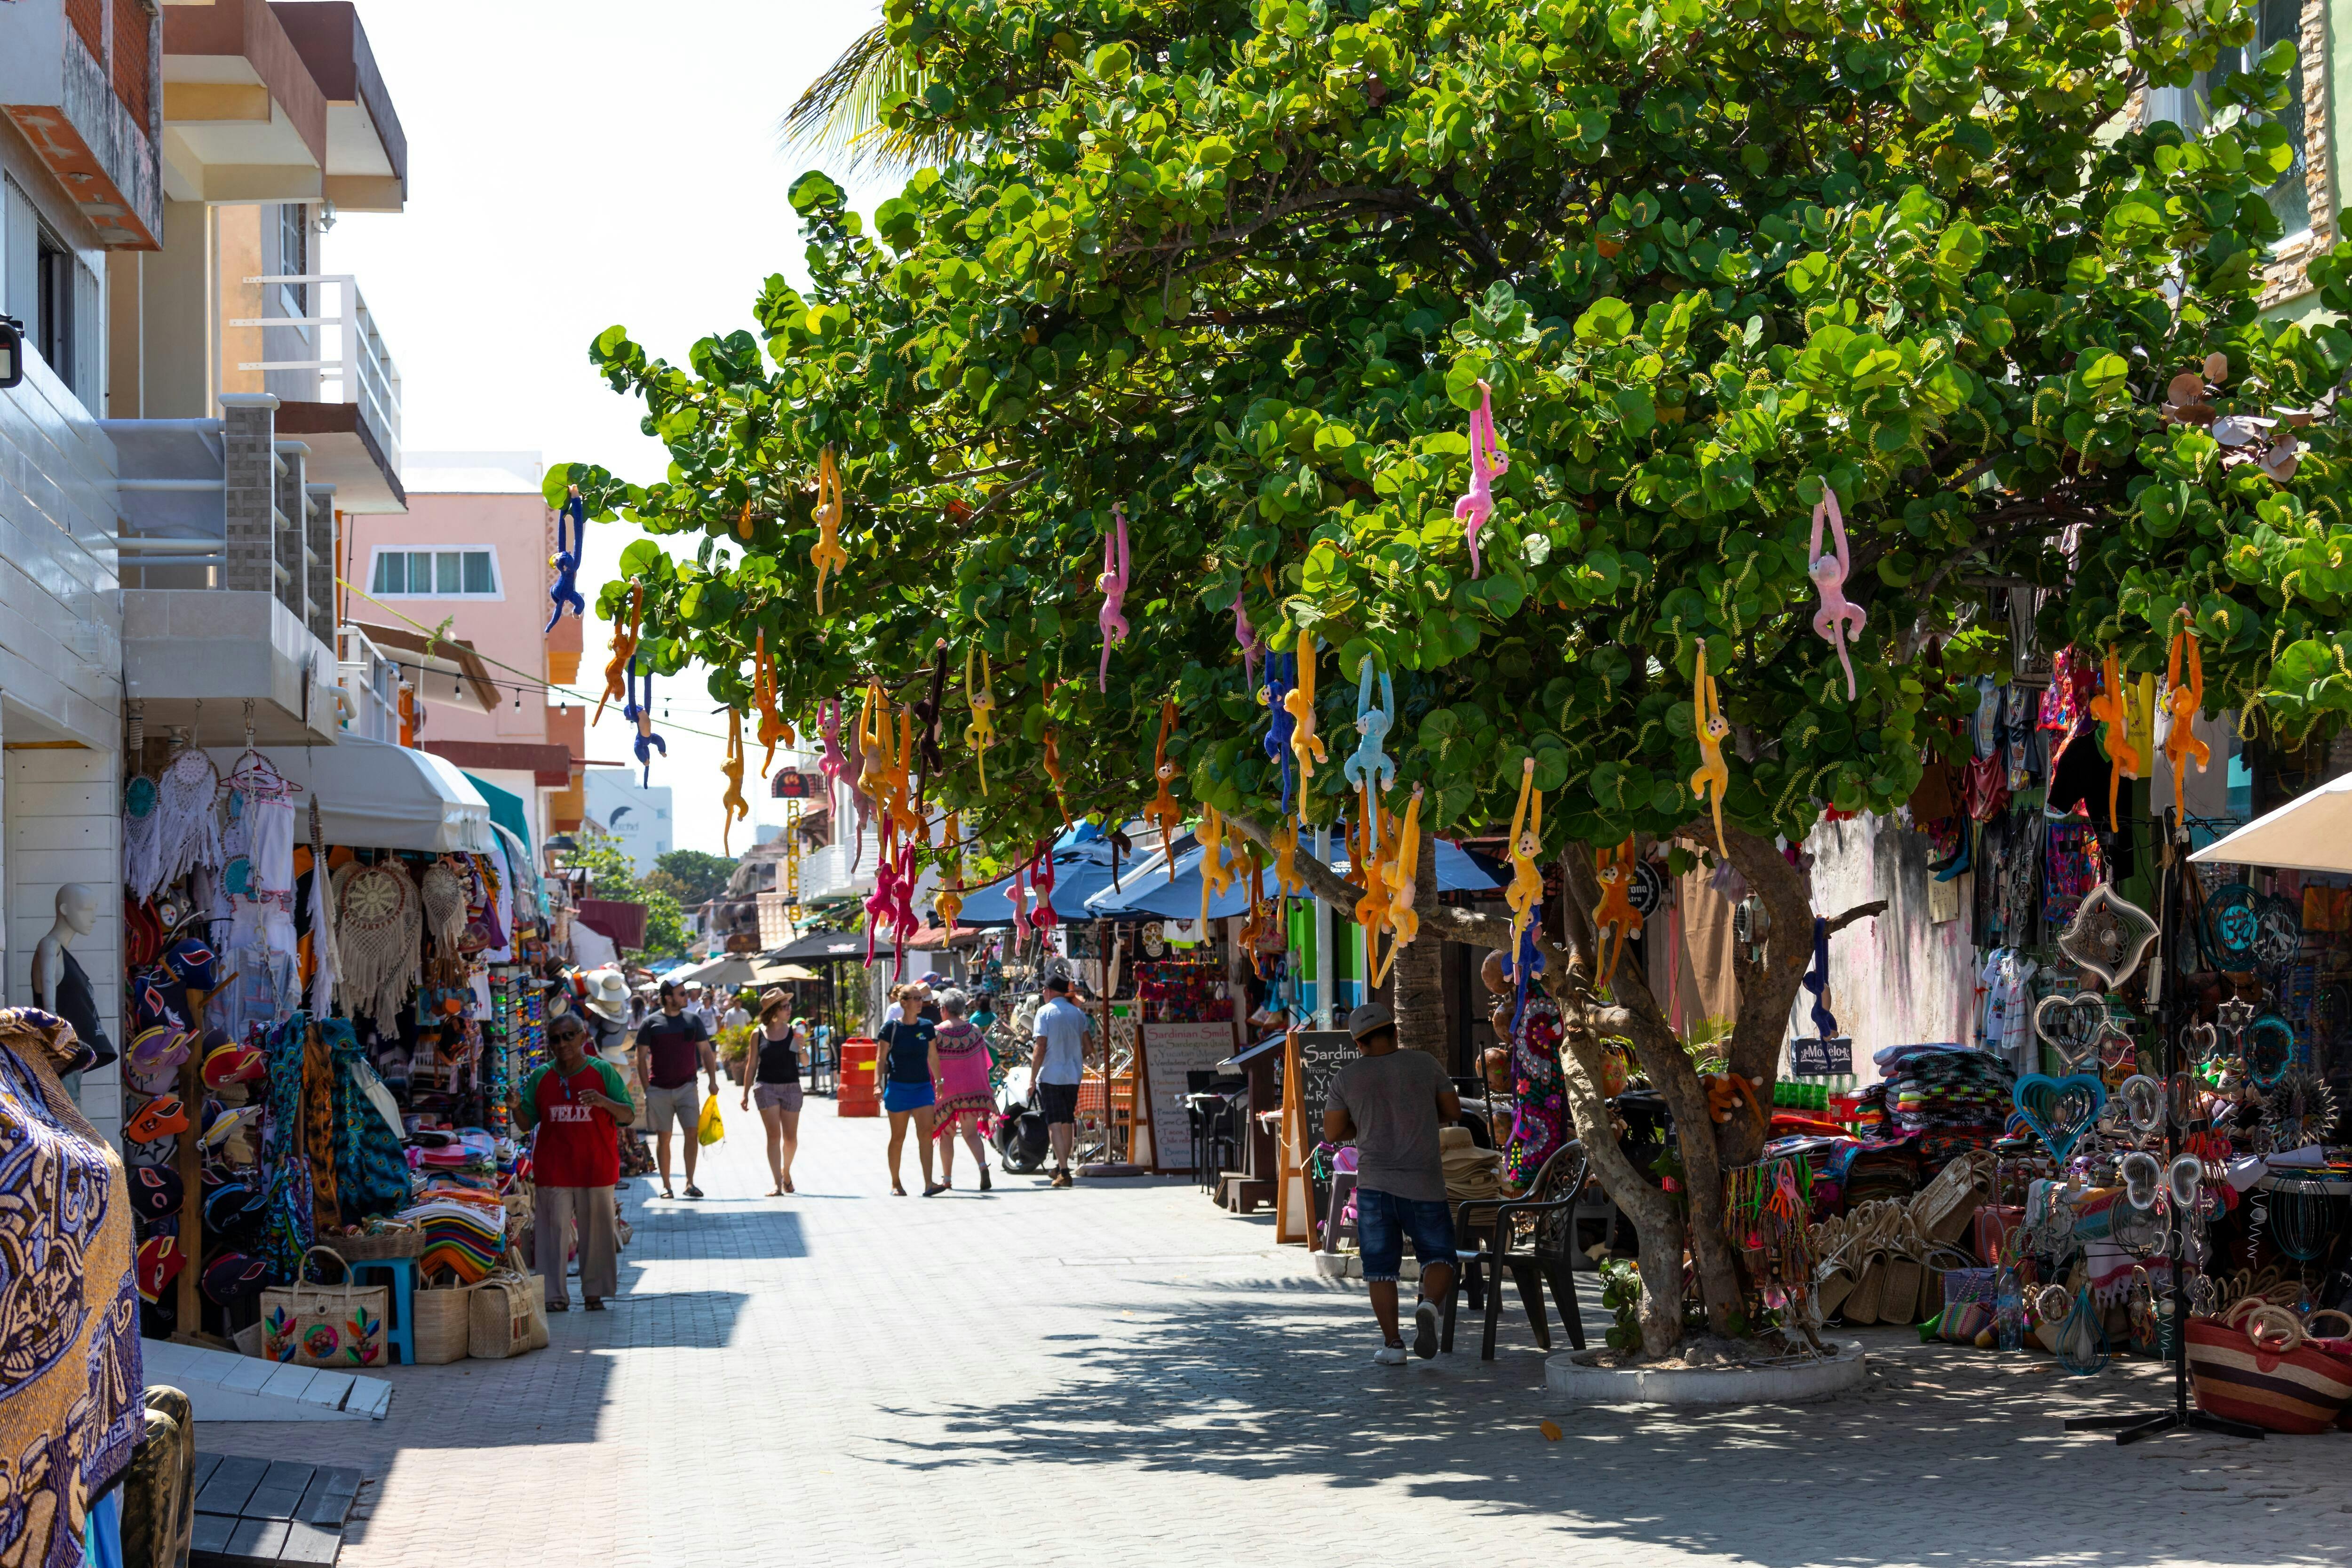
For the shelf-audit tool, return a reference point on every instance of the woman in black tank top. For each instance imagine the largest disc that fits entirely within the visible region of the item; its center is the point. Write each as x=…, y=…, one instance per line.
x=776, y=1084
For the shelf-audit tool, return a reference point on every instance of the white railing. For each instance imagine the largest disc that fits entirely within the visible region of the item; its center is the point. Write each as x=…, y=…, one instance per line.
x=371, y=684
x=365, y=373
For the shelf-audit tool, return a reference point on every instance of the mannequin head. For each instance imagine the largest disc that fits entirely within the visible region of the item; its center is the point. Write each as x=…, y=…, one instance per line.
x=77, y=908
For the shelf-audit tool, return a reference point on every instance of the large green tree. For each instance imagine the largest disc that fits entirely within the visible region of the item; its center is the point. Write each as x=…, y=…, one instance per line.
x=1239, y=269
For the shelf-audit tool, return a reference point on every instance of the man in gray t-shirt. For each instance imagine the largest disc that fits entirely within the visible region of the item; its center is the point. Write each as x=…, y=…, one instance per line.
x=1390, y=1103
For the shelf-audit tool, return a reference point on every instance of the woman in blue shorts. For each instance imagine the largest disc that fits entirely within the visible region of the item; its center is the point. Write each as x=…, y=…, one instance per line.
x=906, y=1084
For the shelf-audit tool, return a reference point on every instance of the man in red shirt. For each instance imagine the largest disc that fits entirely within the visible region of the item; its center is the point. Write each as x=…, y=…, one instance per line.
x=578, y=1103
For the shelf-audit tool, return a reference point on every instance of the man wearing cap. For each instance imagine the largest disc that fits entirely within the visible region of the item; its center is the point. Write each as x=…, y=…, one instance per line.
x=1391, y=1103
x=578, y=1105
x=1055, y=1068
x=605, y=993
x=671, y=1046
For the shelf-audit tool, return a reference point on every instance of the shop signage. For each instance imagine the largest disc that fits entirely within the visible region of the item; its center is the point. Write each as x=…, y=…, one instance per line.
x=1321, y=1054
x=791, y=784
x=1172, y=1053
x=1821, y=1059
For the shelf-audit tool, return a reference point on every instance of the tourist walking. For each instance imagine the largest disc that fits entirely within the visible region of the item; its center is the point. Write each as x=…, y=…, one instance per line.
x=775, y=1083
x=576, y=1105
x=906, y=1085
x=1390, y=1103
x=672, y=1045
x=1055, y=1068
x=965, y=1099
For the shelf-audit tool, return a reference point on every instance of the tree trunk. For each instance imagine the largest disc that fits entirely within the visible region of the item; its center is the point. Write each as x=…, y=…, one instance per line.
x=1419, y=973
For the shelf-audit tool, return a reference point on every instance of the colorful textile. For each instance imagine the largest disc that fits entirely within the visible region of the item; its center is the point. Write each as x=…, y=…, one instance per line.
x=318, y=1125
x=70, y=1379
x=290, y=1225
x=464, y=1233
x=1536, y=1083
x=2075, y=866
x=371, y=1170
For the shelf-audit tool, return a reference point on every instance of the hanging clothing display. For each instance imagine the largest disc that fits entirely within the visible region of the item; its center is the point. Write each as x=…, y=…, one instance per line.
x=70, y=1380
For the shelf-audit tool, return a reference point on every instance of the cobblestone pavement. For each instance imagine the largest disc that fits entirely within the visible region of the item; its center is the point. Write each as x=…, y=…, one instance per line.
x=1122, y=1374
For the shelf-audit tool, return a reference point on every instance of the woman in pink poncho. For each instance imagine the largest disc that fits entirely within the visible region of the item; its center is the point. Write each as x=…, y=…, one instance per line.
x=965, y=1101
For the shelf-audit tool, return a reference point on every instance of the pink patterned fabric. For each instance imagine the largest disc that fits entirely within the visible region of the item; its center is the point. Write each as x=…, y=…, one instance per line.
x=963, y=1082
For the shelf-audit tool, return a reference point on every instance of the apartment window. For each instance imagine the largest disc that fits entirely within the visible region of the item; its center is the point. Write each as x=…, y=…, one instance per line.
x=53, y=302
x=2191, y=108
x=294, y=259
x=437, y=575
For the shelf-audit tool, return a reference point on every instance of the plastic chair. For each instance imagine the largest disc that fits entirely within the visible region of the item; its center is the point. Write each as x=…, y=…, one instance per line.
x=1533, y=1241
x=400, y=1321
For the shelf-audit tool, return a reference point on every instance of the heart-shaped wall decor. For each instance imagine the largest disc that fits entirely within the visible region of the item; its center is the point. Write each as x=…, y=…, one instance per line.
x=2074, y=1027
x=2059, y=1110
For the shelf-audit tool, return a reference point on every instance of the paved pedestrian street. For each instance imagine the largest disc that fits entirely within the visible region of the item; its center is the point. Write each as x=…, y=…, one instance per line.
x=1122, y=1374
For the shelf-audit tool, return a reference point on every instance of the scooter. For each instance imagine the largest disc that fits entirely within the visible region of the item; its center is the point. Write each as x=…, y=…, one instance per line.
x=1021, y=1140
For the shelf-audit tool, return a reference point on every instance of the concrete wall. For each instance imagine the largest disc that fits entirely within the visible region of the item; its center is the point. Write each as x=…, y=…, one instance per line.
x=62, y=809
x=1906, y=977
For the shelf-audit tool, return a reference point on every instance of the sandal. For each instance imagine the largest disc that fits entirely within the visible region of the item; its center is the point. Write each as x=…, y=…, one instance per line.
x=594, y=1303
x=667, y=1193
x=935, y=1189
x=788, y=1185
x=896, y=1191
x=559, y=1306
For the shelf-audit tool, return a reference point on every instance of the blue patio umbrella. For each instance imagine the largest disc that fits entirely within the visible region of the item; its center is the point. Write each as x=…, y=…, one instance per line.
x=1148, y=894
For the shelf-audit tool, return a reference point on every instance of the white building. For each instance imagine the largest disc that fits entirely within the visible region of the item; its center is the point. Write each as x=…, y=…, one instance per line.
x=637, y=817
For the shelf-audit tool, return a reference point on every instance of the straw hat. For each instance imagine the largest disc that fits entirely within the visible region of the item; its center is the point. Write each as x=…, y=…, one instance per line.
x=606, y=995
x=773, y=996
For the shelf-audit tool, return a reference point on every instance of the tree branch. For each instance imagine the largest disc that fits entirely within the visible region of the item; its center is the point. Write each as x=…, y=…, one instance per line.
x=1859, y=912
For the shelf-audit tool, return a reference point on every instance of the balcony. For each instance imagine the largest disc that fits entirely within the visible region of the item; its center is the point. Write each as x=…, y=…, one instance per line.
x=80, y=92
x=370, y=685
x=826, y=877
x=351, y=418
x=226, y=554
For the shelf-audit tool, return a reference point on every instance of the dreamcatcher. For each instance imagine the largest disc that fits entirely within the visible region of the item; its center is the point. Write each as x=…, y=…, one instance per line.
x=380, y=927
x=187, y=826
x=442, y=896
x=142, y=837
x=2232, y=923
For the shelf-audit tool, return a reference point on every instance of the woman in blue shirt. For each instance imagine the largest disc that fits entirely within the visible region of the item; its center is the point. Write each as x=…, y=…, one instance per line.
x=906, y=1093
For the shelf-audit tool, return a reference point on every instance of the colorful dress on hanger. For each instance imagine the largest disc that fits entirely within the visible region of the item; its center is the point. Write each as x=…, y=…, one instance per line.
x=371, y=1172
x=289, y=1226
x=1539, y=1127
x=71, y=1384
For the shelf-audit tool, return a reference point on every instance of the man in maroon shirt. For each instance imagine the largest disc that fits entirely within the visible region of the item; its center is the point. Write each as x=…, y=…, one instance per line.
x=577, y=1102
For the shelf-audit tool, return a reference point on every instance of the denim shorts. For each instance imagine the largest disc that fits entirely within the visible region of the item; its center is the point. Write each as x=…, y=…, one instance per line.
x=898, y=1097
x=1382, y=1222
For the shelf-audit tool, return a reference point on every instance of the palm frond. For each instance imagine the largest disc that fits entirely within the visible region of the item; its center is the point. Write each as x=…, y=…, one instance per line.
x=840, y=113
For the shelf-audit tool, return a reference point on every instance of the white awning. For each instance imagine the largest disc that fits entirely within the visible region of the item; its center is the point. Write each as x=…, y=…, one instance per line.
x=375, y=796
x=2311, y=833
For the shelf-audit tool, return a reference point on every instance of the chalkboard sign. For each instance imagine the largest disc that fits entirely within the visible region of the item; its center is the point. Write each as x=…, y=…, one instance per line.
x=1170, y=1053
x=1820, y=1059
x=1321, y=1054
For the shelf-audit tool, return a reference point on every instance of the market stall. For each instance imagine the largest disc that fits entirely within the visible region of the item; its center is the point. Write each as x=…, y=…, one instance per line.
x=337, y=974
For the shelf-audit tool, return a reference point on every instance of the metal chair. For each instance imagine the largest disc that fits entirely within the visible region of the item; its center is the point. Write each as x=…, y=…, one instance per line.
x=1533, y=1239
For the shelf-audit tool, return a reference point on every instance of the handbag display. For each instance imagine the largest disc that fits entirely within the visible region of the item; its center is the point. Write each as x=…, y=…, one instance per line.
x=2301, y=1390
x=443, y=1323
x=339, y=1326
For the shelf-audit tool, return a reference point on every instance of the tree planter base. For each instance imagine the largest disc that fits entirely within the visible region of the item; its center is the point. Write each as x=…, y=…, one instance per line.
x=1784, y=1383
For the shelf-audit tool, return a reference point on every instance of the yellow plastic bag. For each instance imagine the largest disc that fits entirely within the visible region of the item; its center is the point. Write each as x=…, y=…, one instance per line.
x=710, y=1129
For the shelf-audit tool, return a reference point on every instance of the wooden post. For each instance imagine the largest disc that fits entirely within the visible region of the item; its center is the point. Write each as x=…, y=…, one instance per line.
x=188, y=1319
x=1294, y=1194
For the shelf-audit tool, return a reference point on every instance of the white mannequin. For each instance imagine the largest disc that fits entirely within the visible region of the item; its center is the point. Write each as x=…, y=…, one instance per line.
x=76, y=914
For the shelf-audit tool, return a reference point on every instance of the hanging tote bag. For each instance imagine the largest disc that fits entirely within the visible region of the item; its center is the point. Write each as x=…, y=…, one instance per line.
x=339, y=1326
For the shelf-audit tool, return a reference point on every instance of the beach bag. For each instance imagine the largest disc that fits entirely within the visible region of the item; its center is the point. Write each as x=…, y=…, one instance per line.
x=1967, y=1305
x=339, y=1326
x=712, y=1129
x=1944, y=1208
x=505, y=1317
x=2300, y=1388
x=443, y=1318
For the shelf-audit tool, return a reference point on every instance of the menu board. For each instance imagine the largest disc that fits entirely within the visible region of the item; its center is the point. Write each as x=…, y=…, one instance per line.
x=1321, y=1054
x=1171, y=1051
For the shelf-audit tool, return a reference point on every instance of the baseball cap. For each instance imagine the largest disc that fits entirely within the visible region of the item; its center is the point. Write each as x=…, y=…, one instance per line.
x=1369, y=1019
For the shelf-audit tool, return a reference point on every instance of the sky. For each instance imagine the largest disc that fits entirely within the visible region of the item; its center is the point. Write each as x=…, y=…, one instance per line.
x=571, y=166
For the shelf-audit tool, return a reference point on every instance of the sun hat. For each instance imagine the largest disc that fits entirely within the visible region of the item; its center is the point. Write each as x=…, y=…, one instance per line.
x=773, y=996
x=606, y=992
x=1369, y=1019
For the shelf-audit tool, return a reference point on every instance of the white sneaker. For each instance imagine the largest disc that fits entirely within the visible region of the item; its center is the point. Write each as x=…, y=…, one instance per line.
x=1424, y=1330
x=1389, y=1355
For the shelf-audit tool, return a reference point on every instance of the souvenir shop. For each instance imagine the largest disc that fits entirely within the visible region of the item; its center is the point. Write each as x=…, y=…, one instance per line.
x=2132, y=1147
x=337, y=975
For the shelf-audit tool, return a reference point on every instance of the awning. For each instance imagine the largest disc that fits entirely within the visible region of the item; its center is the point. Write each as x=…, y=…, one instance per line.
x=373, y=794
x=1146, y=893
x=820, y=947
x=2311, y=832
x=506, y=808
x=1080, y=871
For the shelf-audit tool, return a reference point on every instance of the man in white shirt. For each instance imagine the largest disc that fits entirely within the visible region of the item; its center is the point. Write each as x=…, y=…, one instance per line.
x=1055, y=1067
x=736, y=1016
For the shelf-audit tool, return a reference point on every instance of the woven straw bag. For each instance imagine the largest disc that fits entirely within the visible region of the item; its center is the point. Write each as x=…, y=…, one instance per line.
x=505, y=1317
x=442, y=1324
x=1943, y=1208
